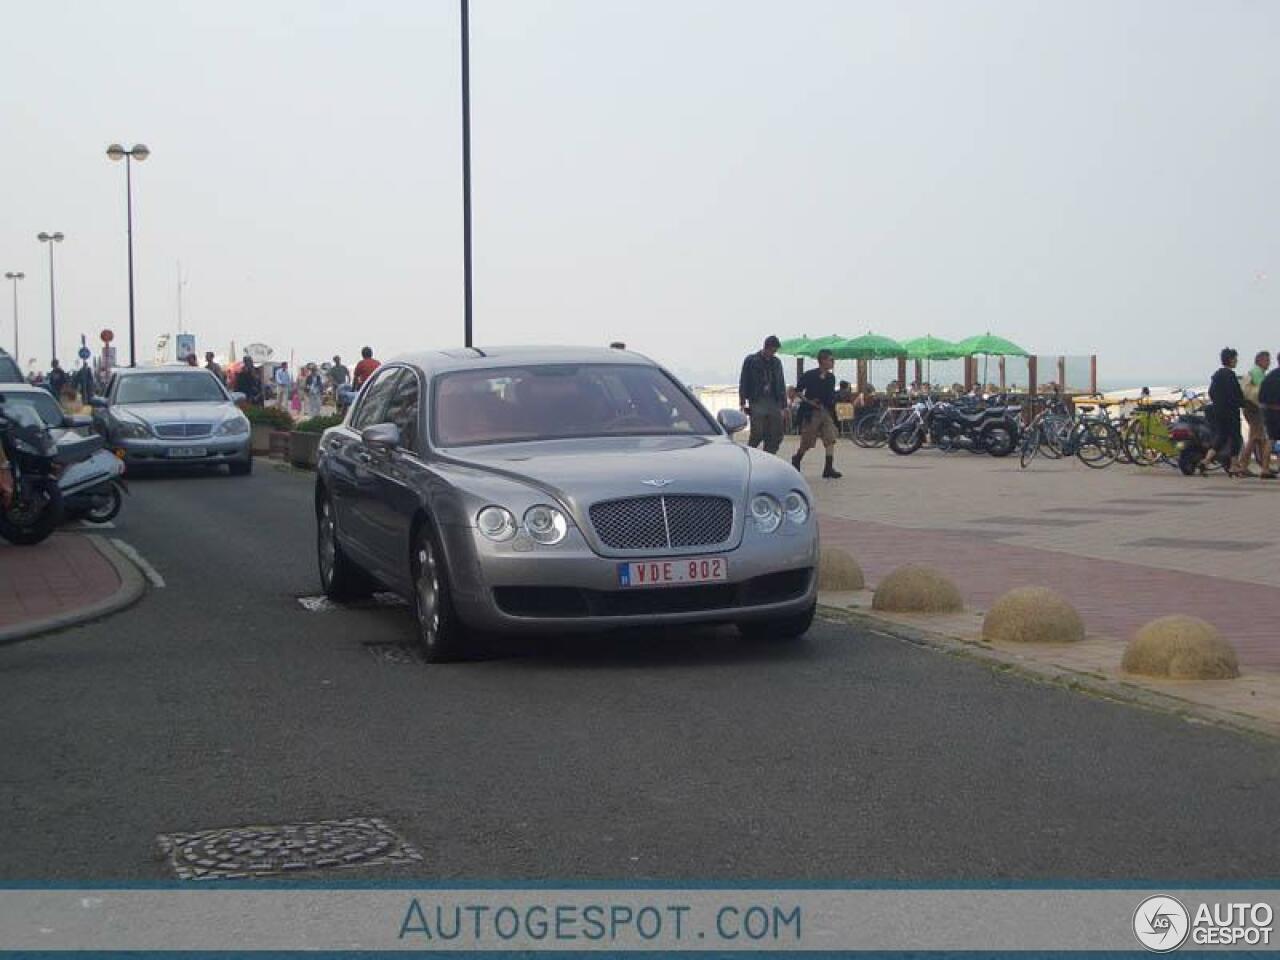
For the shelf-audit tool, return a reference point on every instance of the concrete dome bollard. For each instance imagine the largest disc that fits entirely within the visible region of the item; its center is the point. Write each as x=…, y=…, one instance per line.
x=1181, y=648
x=1032, y=615
x=914, y=589
x=837, y=570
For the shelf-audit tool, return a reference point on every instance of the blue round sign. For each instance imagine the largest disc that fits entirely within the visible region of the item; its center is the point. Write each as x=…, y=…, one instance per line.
x=84, y=353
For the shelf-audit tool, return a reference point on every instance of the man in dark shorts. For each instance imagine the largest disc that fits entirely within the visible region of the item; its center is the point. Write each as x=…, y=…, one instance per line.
x=1269, y=401
x=817, y=392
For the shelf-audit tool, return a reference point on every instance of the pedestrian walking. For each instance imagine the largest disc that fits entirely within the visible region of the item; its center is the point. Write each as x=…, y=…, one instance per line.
x=339, y=377
x=817, y=392
x=313, y=390
x=56, y=381
x=247, y=382
x=762, y=395
x=84, y=383
x=283, y=380
x=213, y=367
x=364, y=369
x=1227, y=397
x=1258, y=446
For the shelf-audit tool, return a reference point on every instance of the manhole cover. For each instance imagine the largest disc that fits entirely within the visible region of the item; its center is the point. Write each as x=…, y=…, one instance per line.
x=238, y=852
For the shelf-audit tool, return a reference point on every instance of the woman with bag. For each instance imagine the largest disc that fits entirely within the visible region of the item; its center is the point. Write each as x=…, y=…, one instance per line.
x=1227, y=398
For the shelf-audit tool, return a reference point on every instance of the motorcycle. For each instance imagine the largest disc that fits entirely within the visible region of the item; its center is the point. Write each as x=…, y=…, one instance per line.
x=990, y=430
x=1193, y=434
x=94, y=489
x=34, y=462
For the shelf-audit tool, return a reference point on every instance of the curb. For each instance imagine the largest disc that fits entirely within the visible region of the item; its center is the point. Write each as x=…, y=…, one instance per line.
x=132, y=586
x=1072, y=680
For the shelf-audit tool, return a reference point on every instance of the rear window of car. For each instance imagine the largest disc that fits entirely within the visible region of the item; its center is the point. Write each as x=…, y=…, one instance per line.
x=9, y=372
x=195, y=387
x=42, y=403
x=561, y=401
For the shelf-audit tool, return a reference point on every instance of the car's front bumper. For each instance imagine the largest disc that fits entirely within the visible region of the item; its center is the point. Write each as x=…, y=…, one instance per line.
x=571, y=588
x=156, y=452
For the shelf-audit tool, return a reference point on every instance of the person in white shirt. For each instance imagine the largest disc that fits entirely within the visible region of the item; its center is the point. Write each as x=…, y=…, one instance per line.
x=283, y=382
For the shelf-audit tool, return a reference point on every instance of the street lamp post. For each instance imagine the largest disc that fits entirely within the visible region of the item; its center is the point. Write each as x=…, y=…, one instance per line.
x=15, y=277
x=51, y=239
x=138, y=152
x=466, y=173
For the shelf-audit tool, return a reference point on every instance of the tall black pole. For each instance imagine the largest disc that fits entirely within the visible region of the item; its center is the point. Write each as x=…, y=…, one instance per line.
x=17, y=357
x=466, y=173
x=128, y=202
x=53, y=313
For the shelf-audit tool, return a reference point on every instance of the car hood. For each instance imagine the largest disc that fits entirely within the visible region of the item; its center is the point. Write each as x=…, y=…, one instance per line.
x=582, y=472
x=206, y=412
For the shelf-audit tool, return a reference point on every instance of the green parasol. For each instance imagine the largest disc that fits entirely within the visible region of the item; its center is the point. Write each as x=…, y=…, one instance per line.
x=989, y=345
x=932, y=348
x=869, y=346
x=795, y=346
x=822, y=343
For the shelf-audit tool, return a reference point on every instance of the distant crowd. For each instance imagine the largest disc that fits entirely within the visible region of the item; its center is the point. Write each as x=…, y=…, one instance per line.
x=303, y=391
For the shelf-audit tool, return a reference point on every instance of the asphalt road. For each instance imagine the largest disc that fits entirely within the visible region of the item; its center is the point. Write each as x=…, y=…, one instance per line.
x=220, y=701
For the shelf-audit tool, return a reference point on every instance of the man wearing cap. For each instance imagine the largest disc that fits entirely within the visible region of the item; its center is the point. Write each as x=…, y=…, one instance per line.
x=762, y=395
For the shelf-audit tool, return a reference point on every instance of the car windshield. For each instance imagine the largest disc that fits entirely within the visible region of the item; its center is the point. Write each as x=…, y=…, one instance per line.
x=550, y=402
x=194, y=387
x=42, y=403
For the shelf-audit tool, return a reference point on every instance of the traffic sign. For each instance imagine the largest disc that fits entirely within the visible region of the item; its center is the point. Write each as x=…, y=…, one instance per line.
x=107, y=336
x=84, y=353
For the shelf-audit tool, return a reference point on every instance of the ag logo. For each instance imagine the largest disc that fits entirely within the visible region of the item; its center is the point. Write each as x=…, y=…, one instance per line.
x=1161, y=924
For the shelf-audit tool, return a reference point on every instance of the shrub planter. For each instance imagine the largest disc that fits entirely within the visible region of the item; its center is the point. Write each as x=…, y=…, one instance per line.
x=279, y=440
x=303, y=449
x=260, y=439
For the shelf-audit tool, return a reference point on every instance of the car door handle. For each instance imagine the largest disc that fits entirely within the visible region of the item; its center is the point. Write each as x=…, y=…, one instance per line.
x=362, y=456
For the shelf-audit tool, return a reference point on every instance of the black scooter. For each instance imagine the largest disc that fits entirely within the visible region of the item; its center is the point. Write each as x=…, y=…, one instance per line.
x=34, y=462
x=1193, y=434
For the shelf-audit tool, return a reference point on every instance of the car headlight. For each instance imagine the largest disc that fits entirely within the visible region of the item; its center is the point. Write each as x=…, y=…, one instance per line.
x=545, y=524
x=131, y=430
x=766, y=512
x=235, y=427
x=496, y=523
x=796, y=507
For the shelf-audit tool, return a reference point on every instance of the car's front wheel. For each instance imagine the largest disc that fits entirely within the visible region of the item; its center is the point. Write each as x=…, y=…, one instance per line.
x=339, y=577
x=441, y=635
x=779, y=628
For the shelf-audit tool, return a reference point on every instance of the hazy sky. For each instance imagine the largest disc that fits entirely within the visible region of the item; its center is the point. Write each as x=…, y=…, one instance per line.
x=687, y=176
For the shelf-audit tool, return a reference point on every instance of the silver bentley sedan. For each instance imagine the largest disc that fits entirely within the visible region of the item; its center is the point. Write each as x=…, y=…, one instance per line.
x=548, y=490
x=157, y=416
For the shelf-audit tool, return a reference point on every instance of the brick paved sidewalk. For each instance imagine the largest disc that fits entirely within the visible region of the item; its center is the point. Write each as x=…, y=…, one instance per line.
x=59, y=577
x=1114, y=598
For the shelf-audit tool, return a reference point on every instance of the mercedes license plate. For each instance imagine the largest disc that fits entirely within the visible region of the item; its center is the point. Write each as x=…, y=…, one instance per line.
x=667, y=573
x=187, y=451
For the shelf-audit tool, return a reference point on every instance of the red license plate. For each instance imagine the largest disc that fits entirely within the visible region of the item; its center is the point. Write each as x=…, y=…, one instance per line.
x=668, y=573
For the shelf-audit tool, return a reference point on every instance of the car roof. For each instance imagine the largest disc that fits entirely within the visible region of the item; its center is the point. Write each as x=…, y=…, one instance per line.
x=175, y=369
x=474, y=358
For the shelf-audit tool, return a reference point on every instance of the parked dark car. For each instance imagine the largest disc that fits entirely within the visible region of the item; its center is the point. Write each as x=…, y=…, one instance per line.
x=522, y=489
x=9, y=371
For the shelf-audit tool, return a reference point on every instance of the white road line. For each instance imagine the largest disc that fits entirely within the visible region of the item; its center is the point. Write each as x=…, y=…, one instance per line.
x=150, y=572
x=86, y=525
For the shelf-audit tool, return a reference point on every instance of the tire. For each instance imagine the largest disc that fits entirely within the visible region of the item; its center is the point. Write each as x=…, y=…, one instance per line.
x=780, y=629
x=869, y=432
x=999, y=438
x=25, y=528
x=106, y=513
x=1030, y=446
x=906, y=440
x=340, y=578
x=441, y=635
x=1098, y=444
x=1189, y=461
x=241, y=468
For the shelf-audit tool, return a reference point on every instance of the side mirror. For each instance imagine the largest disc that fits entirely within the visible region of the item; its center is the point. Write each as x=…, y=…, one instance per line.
x=98, y=403
x=238, y=397
x=734, y=421
x=381, y=436
x=75, y=420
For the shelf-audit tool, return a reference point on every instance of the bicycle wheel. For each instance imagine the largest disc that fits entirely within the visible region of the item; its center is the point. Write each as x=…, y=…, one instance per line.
x=1097, y=443
x=870, y=432
x=1055, y=435
x=1136, y=441
x=1030, y=445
